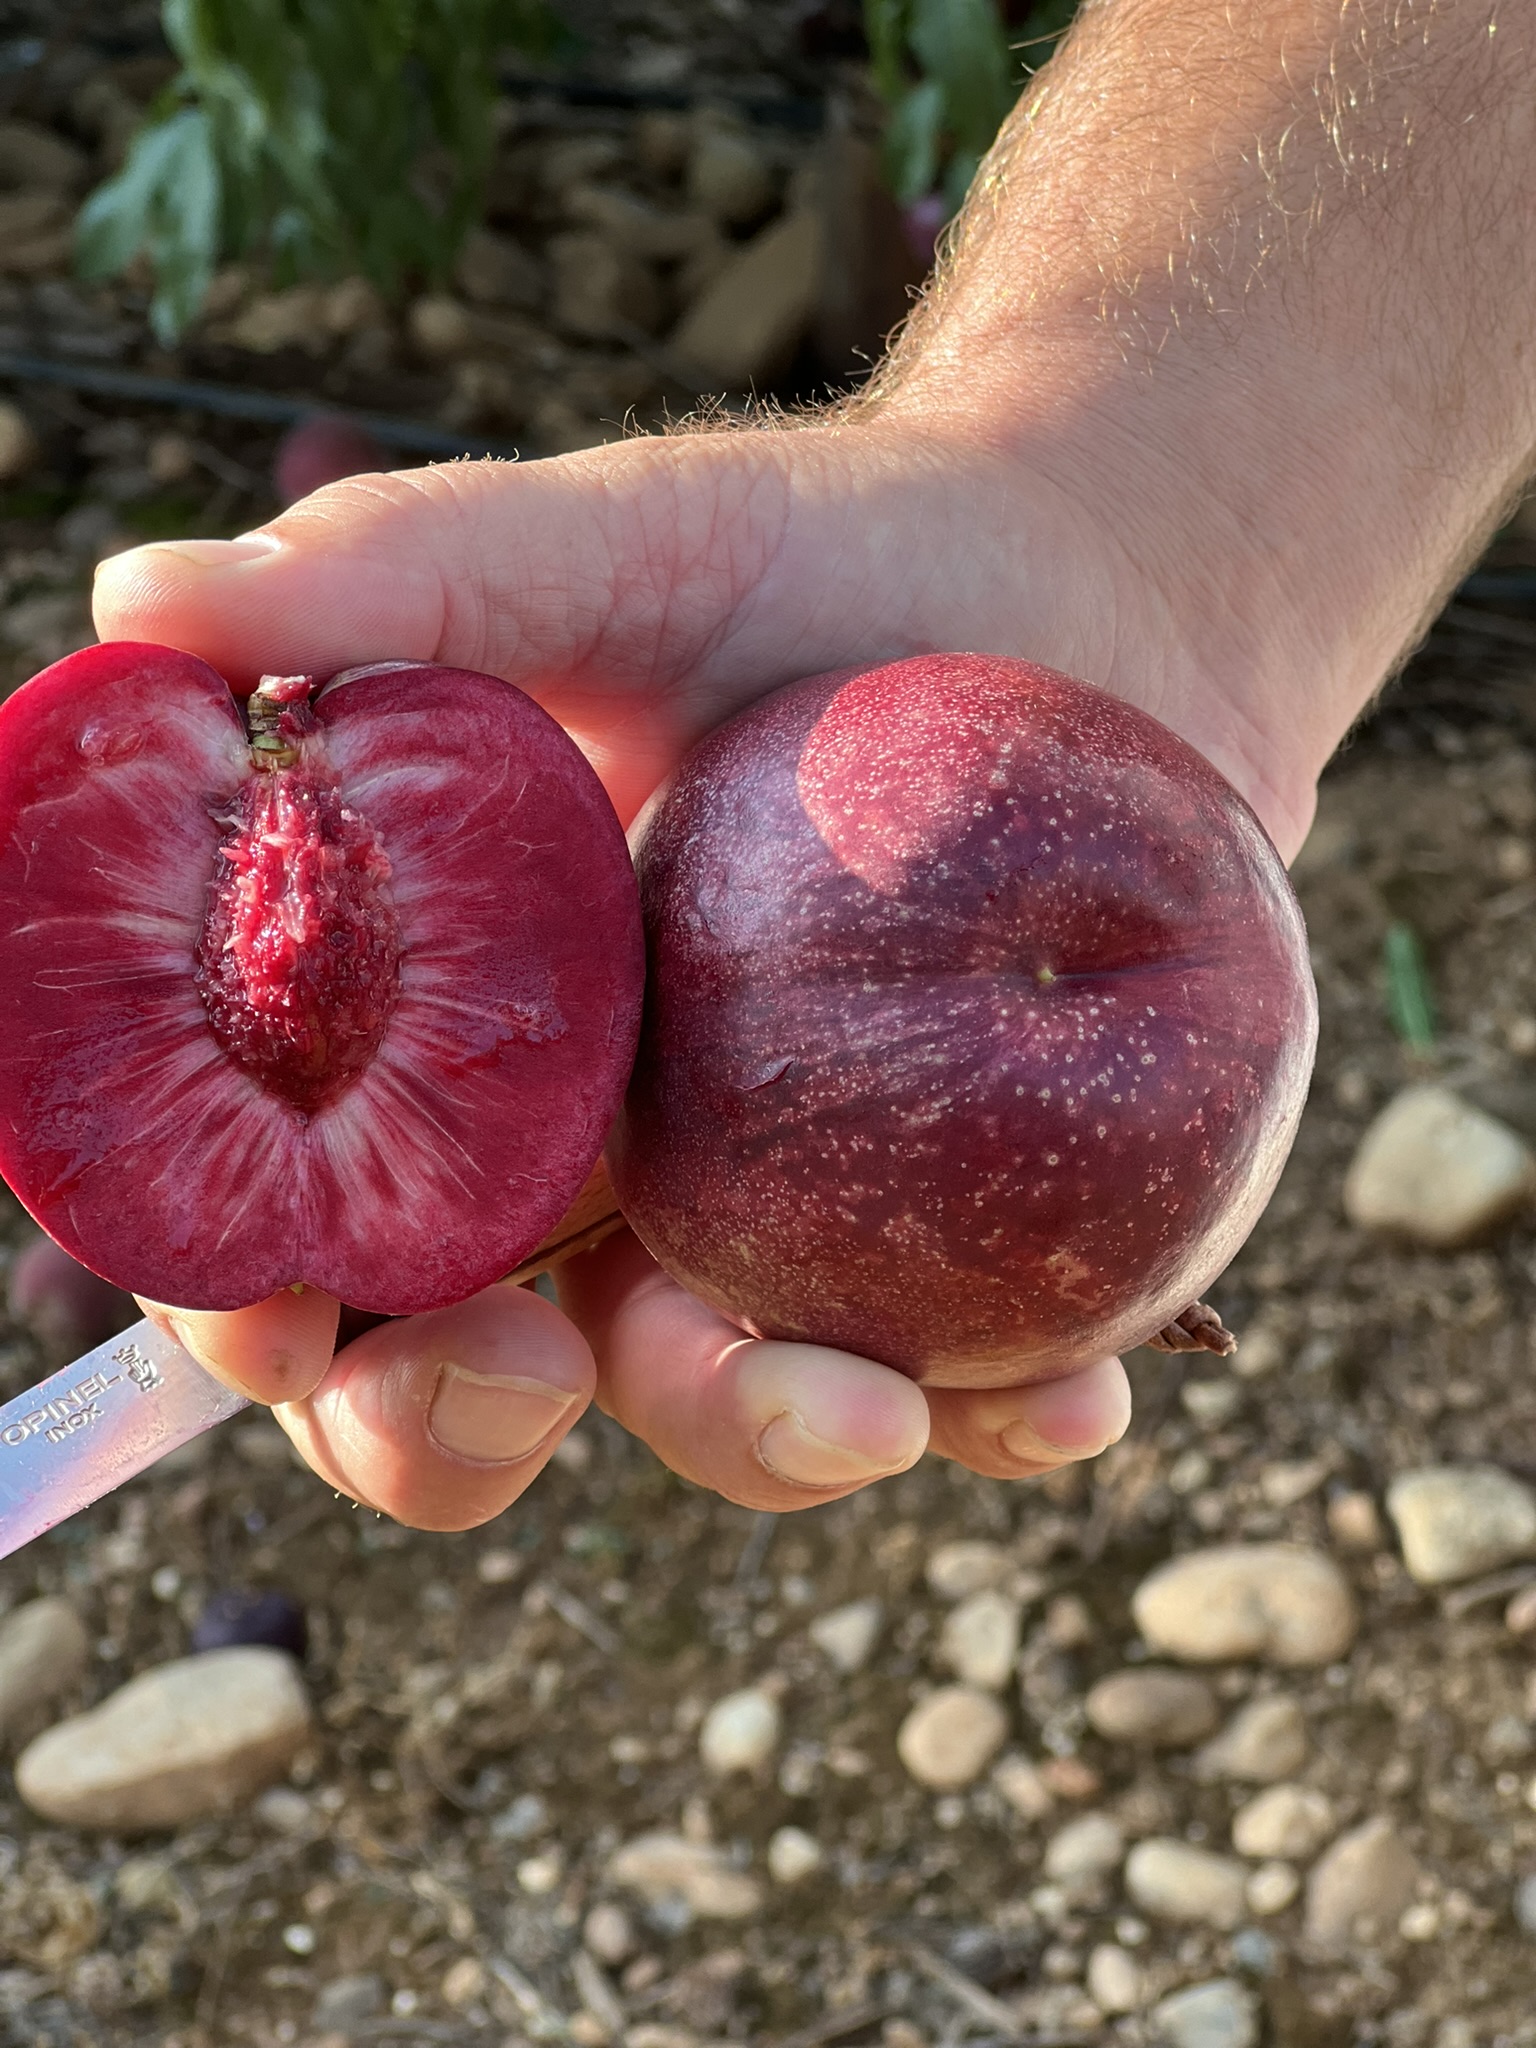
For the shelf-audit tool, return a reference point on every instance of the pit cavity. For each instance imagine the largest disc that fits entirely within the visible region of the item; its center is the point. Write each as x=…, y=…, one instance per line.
x=298, y=964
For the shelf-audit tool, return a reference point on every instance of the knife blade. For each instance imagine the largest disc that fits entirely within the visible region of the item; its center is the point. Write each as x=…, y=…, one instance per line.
x=97, y=1423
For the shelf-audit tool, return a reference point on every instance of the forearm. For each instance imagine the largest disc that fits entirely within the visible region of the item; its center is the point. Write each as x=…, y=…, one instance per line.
x=1253, y=283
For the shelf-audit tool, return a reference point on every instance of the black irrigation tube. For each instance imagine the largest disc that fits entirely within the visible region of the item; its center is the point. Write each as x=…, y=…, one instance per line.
x=769, y=110
x=231, y=402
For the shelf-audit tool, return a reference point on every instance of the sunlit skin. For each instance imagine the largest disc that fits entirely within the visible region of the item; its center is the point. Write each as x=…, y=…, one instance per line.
x=1230, y=374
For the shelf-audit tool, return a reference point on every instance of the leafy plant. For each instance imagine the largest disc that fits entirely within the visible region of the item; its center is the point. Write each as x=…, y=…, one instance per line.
x=323, y=137
x=1410, y=1000
x=946, y=71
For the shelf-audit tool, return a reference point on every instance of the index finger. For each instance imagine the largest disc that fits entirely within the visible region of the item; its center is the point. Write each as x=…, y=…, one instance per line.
x=277, y=1350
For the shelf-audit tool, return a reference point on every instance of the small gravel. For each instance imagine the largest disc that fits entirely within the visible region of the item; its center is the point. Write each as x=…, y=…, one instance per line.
x=1289, y=1822
x=980, y=1639
x=741, y=1731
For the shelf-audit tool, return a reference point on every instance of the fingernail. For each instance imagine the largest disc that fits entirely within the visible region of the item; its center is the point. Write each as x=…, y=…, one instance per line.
x=794, y=1452
x=1020, y=1443
x=1030, y=1448
x=186, y=1340
x=219, y=554
x=491, y=1416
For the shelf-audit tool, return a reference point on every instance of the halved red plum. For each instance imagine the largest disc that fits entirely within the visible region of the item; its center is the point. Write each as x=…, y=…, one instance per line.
x=342, y=988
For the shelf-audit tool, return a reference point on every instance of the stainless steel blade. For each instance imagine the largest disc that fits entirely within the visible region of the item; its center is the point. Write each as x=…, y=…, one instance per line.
x=97, y=1423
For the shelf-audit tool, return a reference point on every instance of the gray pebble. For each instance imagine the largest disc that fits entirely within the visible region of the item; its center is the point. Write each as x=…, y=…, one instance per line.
x=1151, y=1708
x=1455, y=1521
x=1360, y=1886
x=1176, y=1881
x=1087, y=1848
x=846, y=1636
x=1265, y=1740
x=44, y=1651
x=1220, y=2014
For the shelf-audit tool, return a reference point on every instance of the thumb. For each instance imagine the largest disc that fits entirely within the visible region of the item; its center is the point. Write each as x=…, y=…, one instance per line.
x=584, y=579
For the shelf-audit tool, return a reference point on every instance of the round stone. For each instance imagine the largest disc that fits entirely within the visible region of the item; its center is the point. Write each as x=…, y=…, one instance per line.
x=1176, y=1881
x=1265, y=1740
x=44, y=1651
x=609, y=1934
x=1273, y=1887
x=1280, y=1602
x=1218, y=2014
x=1114, y=1980
x=980, y=1639
x=1152, y=1709
x=1434, y=1169
x=1085, y=1849
x=950, y=1737
x=956, y=1569
x=846, y=1636
x=741, y=1731
x=1360, y=1886
x=185, y=1741
x=1290, y=1822
x=1455, y=1521
x=793, y=1855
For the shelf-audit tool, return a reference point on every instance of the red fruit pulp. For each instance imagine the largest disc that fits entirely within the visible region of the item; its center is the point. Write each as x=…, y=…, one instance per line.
x=978, y=1022
x=347, y=996
x=321, y=450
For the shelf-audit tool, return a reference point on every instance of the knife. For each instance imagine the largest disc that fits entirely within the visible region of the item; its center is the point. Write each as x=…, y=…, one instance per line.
x=108, y=1417
x=98, y=1423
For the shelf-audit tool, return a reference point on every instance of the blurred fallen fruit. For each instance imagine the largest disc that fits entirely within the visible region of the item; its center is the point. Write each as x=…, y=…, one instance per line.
x=321, y=450
x=240, y=1616
x=66, y=1307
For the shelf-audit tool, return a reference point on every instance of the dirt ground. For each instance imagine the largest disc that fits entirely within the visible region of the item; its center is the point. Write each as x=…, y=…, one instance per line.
x=498, y=1711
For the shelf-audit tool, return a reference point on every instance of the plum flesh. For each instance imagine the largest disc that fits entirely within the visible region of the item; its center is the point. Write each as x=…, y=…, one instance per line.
x=978, y=1022
x=341, y=990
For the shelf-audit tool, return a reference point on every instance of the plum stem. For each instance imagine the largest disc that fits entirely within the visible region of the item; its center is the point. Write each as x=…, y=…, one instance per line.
x=1198, y=1328
x=276, y=718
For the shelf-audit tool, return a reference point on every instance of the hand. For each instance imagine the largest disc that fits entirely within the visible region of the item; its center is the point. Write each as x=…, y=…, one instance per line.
x=642, y=593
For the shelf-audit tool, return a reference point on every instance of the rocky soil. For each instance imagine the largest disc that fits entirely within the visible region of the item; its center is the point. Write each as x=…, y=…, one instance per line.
x=1227, y=1742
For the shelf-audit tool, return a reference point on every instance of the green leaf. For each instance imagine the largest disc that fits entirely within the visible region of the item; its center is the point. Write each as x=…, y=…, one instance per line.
x=912, y=142
x=886, y=25
x=961, y=43
x=332, y=136
x=164, y=202
x=1410, y=1001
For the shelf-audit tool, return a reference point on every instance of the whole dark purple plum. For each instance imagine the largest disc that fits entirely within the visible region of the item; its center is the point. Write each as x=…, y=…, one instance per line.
x=978, y=1024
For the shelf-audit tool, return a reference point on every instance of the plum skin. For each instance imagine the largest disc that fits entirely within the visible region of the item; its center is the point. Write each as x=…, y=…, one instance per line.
x=978, y=1022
